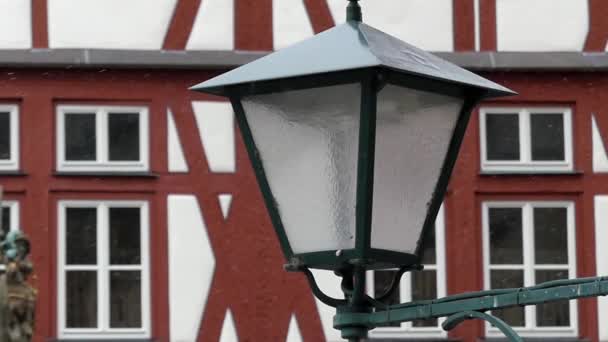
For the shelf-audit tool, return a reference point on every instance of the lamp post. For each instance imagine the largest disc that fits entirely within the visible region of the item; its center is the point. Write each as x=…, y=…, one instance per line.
x=353, y=135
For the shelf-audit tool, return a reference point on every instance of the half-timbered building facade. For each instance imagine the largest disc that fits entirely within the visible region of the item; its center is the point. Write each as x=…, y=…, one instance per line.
x=144, y=213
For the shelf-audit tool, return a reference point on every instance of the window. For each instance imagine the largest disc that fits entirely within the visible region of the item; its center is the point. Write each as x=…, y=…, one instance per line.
x=526, y=139
x=427, y=284
x=525, y=244
x=10, y=219
x=104, y=288
x=94, y=138
x=9, y=138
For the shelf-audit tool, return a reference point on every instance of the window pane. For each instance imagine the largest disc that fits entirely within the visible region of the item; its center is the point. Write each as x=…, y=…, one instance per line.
x=81, y=299
x=501, y=279
x=502, y=136
x=551, y=235
x=424, y=287
x=123, y=131
x=80, y=136
x=81, y=236
x=5, y=135
x=6, y=221
x=506, y=236
x=428, y=255
x=547, y=132
x=382, y=282
x=125, y=238
x=556, y=314
x=125, y=299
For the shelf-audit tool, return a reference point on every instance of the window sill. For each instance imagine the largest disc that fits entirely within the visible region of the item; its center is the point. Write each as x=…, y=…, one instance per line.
x=103, y=340
x=537, y=339
x=530, y=173
x=413, y=339
x=12, y=173
x=118, y=174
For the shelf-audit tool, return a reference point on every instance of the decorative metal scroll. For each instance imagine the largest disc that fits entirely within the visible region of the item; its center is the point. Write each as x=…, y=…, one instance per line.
x=17, y=297
x=452, y=321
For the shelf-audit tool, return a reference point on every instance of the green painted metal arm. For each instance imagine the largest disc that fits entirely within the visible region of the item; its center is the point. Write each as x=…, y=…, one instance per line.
x=478, y=301
x=452, y=321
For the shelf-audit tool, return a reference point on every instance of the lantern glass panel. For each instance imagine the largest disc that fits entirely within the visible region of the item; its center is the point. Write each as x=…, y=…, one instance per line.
x=308, y=142
x=413, y=133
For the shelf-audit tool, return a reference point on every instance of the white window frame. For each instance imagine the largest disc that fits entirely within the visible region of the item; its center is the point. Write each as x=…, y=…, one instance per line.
x=14, y=210
x=529, y=267
x=102, y=162
x=525, y=163
x=103, y=270
x=14, y=213
x=407, y=330
x=12, y=164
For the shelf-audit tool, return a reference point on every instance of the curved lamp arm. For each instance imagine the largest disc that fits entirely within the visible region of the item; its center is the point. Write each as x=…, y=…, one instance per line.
x=454, y=320
x=397, y=280
x=317, y=292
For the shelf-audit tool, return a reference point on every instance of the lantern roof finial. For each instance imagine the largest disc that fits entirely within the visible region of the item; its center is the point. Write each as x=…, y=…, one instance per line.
x=353, y=11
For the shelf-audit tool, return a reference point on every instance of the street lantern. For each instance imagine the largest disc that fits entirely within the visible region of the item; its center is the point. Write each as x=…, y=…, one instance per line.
x=353, y=135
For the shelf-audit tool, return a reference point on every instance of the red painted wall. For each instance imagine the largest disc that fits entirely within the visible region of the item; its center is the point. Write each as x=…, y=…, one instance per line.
x=249, y=278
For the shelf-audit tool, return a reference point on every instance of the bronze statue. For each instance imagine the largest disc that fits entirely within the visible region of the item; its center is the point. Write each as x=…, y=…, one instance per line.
x=17, y=297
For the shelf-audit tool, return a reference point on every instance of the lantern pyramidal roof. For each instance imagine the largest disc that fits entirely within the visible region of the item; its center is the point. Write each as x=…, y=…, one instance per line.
x=349, y=46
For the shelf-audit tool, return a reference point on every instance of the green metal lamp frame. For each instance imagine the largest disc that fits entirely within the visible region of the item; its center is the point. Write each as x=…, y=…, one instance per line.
x=357, y=313
x=372, y=80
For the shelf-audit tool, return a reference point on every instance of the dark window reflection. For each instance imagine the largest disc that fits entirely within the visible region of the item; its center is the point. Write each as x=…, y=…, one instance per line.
x=81, y=236
x=502, y=136
x=81, y=299
x=6, y=221
x=125, y=299
x=547, y=131
x=125, y=238
x=501, y=279
x=506, y=244
x=80, y=137
x=555, y=314
x=123, y=130
x=5, y=135
x=424, y=287
x=428, y=254
x=551, y=235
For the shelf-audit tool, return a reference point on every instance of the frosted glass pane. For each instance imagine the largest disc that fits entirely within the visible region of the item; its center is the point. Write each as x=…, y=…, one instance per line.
x=308, y=142
x=413, y=133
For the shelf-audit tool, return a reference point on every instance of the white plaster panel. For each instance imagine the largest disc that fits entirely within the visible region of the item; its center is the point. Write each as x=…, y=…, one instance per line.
x=215, y=121
x=427, y=24
x=213, y=27
x=291, y=22
x=541, y=25
x=15, y=24
x=109, y=24
x=191, y=266
x=329, y=283
x=477, y=25
x=176, y=159
x=225, y=202
x=600, y=157
x=228, y=333
x=293, y=334
x=601, y=236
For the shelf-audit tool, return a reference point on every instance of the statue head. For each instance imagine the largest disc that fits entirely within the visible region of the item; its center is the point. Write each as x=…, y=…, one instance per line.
x=16, y=246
